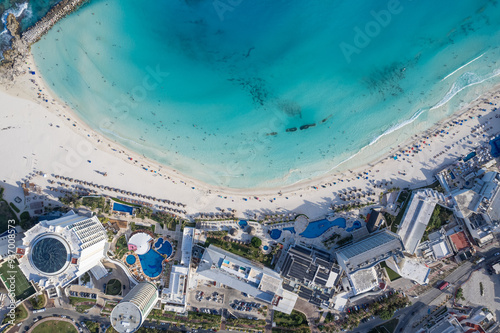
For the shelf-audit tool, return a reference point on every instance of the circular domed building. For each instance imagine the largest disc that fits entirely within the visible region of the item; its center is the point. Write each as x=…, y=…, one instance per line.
x=233, y=232
x=54, y=253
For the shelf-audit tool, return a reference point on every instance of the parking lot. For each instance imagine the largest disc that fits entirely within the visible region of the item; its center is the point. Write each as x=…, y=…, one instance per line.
x=491, y=291
x=215, y=299
x=83, y=294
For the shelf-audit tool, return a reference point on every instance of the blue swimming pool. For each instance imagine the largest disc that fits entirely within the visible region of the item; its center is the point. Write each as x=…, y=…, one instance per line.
x=151, y=263
x=266, y=247
x=165, y=248
x=275, y=233
x=495, y=147
x=355, y=225
x=123, y=208
x=291, y=229
x=318, y=228
x=242, y=224
x=130, y=259
x=468, y=157
x=158, y=243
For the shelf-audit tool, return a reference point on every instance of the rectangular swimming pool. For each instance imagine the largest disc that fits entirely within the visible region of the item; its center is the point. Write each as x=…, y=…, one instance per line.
x=123, y=208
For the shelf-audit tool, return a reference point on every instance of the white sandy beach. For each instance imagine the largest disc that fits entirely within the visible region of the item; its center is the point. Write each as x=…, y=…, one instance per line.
x=48, y=137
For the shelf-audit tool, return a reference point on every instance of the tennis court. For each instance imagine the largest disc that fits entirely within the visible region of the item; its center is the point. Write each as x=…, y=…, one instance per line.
x=23, y=288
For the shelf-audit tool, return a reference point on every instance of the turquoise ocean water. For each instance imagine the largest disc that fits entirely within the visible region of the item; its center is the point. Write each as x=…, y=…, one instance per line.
x=210, y=88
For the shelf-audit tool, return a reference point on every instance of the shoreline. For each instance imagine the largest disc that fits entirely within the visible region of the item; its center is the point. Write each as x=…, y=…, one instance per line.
x=317, y=192
x=297, y=186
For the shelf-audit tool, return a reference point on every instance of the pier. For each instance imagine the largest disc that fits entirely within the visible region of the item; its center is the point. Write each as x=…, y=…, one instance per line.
x=59, y=11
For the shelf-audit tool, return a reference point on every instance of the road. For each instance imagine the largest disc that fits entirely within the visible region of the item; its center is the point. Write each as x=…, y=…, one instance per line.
x=412, y=314
x=78, y=317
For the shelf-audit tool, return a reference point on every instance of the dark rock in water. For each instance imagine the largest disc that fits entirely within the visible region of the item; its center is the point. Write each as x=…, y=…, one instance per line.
x=324, y=120
x=272, y=133
x=292, y=129
x=303, y=127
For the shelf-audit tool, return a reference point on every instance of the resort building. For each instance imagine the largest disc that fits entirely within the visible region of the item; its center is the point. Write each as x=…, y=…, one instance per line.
x=374, y=220
x=54, y=253
x=436, y=247
x=369, y=251
x=478, y=204
x=311, y=273
x=363, y=281
x=409, y=269
x=478, y=320
x=359, y=260
x=416, y=218
x=241, y=274
x=128, y=315
x=174, y=293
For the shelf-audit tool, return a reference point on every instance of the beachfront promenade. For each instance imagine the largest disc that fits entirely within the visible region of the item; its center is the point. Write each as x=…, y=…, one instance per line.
x=59, y=11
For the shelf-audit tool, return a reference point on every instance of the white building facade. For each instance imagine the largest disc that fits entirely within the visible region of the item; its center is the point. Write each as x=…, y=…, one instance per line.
x=54, y=253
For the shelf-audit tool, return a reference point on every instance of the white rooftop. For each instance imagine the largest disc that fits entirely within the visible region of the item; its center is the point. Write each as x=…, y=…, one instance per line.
x=416, y=218
x=363, y=280
x=141, y=241
x=58, y=251
x=441, y=250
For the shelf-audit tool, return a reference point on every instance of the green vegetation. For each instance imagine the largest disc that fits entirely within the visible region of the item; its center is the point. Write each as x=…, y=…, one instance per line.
x=23, y=288
x=135, y=227
x=439, y=217
x=113, y=287
x=329, y=318
x=38, y=301
x=108, y=307
x=14, y=207
x=6, y=214
x=92, y=326
x=481, y=289
x=82, y=304
x=288, y=330
x=384, y=309
x=435, y=186
x=392, y=275
x=198, y=319
x=85, y=278
x=344, y=240
x=166, y=220
x=246, y=251
x=121, y=246
x=329, y=241
x=402, y=197
x=125, y=203
x=256, y=242
x=25, y=216
x=26, y=222
x=296, y=320
x=58, y=326
x=460, y=294
x=187, y=224
x=20, y=314
x=71, y=200
x=397, y=220
x=349, y=207
x=246, y=323
x=94, y=202
x=217, y=234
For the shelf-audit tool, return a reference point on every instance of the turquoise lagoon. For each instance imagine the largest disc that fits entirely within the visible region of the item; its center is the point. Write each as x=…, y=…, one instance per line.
x=210, y=88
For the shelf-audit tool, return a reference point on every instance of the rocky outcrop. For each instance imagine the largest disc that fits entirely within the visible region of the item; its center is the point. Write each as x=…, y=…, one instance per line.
x=14, y=57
